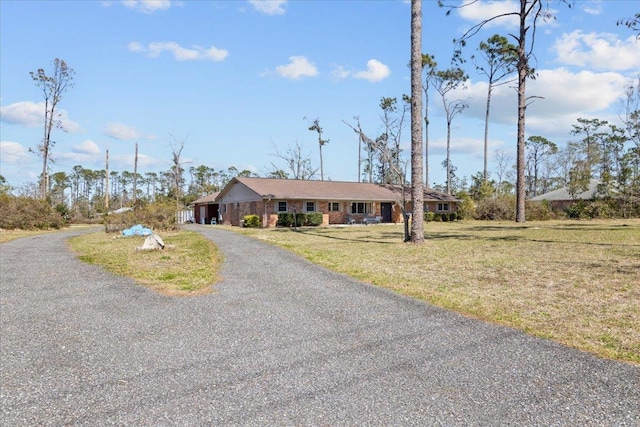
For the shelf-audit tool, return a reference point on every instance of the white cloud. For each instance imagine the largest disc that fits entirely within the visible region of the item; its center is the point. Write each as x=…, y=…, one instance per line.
x=195, y=53
x=87, y=147
x=269, y=7
x=376, y=71
x=581, y=93
x=148, y=6
x=126, y=161
x=505, y=12
x=298, y=67
x=25, y=113
x=12, y=152
x=592, y=7
x=562, y=98
x=122, y=132
x=460, y=145
x=569, y=96
x=31, y=114
x=478, y=11
x=339, y=72
x=67, y=124
x=600, y=51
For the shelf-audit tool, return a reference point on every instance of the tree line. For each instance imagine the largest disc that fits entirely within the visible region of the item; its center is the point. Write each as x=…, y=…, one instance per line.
x=601, y=151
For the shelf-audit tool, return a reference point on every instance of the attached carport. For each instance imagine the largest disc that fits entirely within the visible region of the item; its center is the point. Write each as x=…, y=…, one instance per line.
x=205, y=211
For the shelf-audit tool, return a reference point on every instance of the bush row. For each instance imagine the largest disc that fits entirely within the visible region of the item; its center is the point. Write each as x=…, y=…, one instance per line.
x=301, y=219
x=25, y=213
x=156, y=216
x=602, y=209
x=440, y=217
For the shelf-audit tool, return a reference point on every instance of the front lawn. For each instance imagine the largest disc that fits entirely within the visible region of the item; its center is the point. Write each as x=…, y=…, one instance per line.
x=576, y=282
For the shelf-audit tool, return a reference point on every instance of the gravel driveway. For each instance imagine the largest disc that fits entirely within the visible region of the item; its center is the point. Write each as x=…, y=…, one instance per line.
x=280, y=342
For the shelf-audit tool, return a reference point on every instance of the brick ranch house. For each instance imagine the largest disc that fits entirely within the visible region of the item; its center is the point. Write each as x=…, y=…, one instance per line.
x=339, y=202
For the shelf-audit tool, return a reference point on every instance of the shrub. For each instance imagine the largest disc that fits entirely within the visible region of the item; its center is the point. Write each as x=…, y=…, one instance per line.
x=25, y=213
x=156, y=216
x=251, y=221
x=467, y=208
x=313, y=219
x=500, y=208
x=285, y=220
x=539, y=211
x=302, y=219
x=602, y=209
x=429, y=216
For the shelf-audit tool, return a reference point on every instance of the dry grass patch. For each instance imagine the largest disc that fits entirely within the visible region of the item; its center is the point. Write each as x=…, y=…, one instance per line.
x=575, y=282
x=187, y=266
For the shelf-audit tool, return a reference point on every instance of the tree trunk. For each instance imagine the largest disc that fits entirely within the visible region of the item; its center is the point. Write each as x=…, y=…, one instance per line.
x=321, y=166
x=135, y=175
x=417, y=191
x=486, y=133
x=106, y=183
x=426, y=136
x=448, y=157
x=523, y=68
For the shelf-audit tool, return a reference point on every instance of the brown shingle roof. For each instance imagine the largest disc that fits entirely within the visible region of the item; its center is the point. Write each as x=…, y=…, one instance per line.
x=292, y=189
x=428, y=194
x=209, y=198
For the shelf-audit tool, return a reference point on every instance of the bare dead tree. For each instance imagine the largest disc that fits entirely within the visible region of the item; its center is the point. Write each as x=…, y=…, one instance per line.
x=52, y=87
x=177, y=145
x=386, y=156
x=369, y=147
x=299, y=164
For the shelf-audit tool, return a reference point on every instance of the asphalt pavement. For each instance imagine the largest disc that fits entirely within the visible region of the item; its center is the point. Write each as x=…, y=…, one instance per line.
x=280, y=342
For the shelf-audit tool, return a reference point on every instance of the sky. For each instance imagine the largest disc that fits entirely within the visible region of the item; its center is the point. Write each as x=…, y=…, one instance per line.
x=238, y=81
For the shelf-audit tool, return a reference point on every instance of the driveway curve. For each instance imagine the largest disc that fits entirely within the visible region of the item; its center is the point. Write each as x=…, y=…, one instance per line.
x=279, y=342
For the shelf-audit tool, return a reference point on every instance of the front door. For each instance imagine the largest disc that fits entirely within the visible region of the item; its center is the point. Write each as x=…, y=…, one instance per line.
x=385, y=210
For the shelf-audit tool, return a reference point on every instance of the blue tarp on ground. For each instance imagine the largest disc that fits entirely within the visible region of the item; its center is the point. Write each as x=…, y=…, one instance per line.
x=137, y=230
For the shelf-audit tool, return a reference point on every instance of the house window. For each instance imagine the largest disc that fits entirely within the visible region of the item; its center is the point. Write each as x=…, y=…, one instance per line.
x=443, y=207
x=361, y=207
x=282, y=206
x=309, y=206
x=334, y=206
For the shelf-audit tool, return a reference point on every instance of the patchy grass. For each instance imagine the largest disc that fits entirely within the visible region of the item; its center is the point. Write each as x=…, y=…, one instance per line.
x=575, y=282
x=188, y=265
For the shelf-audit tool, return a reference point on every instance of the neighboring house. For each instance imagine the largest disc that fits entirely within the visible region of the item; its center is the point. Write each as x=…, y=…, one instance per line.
x=339, y=202
x=561, y=198
x=206, y=210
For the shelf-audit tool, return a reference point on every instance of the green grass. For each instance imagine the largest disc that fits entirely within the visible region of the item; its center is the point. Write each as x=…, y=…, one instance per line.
x=188, y=265
x=571, y=281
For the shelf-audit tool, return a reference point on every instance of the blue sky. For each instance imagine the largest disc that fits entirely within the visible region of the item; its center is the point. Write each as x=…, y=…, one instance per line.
x=235, y=80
